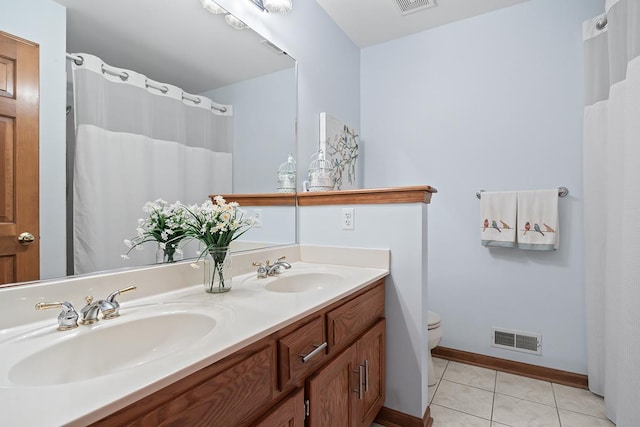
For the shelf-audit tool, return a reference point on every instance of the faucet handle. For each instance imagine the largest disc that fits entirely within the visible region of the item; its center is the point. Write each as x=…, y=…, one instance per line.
x=111, y=307
x=262, y=269
x=67, y=319
x=280, y=259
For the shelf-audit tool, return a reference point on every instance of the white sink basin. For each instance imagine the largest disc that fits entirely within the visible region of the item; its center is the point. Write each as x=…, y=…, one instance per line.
x=301, y=281
x=107, y=348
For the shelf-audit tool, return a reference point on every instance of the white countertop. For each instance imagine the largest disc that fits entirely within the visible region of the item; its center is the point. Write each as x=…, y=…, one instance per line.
x=244, y=315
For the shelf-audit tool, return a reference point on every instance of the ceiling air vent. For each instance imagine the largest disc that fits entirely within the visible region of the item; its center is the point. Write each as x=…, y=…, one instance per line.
x=518, y=341
x=410, y=6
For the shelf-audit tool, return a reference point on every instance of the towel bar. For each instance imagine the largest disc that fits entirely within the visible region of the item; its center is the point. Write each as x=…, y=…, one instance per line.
x=562, y=192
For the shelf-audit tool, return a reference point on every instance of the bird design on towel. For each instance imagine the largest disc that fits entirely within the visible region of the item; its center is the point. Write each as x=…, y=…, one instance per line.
x=549, y=229
x=537, y=228
x=505, y=225
x=527, y=227
x=485, y=225
x=495, y=225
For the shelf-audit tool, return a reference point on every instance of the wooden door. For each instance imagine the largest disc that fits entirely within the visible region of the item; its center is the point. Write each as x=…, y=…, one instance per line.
x=330, y=392
x=289, y=413
x=19, y=134
x=371, y=355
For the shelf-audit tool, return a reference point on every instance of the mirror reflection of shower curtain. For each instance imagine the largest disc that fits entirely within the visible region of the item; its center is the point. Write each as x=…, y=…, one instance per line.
x=136, y=144
x=612, y=208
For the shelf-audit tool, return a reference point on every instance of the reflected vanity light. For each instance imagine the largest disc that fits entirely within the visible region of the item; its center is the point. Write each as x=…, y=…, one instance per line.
x=235, y=22
x=212, y=6
x=278, y=6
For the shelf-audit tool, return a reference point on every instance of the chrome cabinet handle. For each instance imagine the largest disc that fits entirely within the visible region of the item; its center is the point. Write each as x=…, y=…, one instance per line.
x=318, y=349
x=360, y=375
x=366, y=375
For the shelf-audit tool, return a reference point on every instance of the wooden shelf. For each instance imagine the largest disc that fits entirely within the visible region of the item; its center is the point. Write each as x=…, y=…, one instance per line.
x=265, y=199
x=414, y=194
x=366, y=196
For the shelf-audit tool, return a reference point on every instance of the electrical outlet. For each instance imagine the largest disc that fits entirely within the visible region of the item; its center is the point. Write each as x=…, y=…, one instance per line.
x=257, y=217
x=347, y=218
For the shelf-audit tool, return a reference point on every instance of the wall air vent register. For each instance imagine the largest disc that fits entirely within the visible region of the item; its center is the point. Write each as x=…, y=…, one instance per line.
x=517, y=341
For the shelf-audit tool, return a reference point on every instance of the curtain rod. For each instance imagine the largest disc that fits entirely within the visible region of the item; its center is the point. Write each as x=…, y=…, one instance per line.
x=562, y=192
x=79, y=60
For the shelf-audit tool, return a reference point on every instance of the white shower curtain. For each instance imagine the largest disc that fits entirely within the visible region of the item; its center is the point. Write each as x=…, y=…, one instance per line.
x=134, y=144
x=612, y=208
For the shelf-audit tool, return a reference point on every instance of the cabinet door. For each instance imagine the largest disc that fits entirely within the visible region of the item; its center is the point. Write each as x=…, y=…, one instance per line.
x=371, y=357
x=289, y=413
x=330, y=390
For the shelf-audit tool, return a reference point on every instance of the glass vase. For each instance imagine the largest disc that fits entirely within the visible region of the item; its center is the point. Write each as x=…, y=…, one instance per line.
x=217, y=270
x=168, y=254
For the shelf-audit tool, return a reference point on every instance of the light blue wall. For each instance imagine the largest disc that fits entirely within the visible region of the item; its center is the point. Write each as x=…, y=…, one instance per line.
x=493, y=102
x=328, y=66
x=264, y=121
x=44, y=22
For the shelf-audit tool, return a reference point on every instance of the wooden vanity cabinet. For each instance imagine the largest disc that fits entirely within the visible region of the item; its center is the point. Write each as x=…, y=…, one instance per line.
x=327, y=368
x=288, y=413
x=349, y=391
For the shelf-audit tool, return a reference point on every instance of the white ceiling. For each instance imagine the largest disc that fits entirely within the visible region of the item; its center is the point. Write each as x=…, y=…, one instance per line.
x=175, y=42
x=179, y=43
x=369, y=22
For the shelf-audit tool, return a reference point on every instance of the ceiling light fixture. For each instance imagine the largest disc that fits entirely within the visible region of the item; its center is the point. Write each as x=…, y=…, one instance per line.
x=278, y=6
x=212, y=7
x=235, y=22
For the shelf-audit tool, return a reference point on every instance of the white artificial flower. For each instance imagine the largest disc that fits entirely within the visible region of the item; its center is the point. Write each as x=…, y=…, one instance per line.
x=125, y=256
x=128, y=242
x=194, y=266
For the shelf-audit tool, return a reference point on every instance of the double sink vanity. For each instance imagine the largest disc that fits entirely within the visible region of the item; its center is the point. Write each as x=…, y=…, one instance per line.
x=307, y=343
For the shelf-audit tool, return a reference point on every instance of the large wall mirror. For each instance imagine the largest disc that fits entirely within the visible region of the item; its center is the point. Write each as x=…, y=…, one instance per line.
x=185, y=46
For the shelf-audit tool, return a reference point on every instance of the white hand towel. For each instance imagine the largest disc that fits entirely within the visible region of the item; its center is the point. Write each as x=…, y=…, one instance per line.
x=498, y=219
x=538, y=220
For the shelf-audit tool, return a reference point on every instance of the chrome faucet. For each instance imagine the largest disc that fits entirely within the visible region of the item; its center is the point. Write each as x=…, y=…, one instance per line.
x=89, y=313
x=67, y=319
x=110, y=308
x=268, y=269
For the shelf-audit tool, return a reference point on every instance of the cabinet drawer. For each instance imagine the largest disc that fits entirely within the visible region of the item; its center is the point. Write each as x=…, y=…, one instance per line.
x=347, y=322
x=228, y=399
x=301, y=351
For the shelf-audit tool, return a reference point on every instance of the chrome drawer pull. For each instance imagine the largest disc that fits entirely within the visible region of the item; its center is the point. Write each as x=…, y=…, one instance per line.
x=318, y=349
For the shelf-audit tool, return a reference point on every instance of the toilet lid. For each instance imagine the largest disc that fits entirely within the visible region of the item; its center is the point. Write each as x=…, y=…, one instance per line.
x=433, y=320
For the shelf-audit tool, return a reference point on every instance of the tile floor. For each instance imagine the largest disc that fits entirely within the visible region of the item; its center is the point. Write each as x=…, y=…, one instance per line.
x=471, y=396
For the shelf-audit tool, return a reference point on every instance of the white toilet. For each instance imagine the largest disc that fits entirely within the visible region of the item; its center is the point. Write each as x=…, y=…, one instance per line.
x=435, y=335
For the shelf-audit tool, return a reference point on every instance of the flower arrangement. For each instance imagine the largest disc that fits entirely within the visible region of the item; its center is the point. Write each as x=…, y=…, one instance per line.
x=216, y=225
x=165, y=224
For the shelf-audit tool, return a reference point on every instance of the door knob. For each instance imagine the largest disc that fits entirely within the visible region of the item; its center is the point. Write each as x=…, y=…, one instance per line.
x=26, y=238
